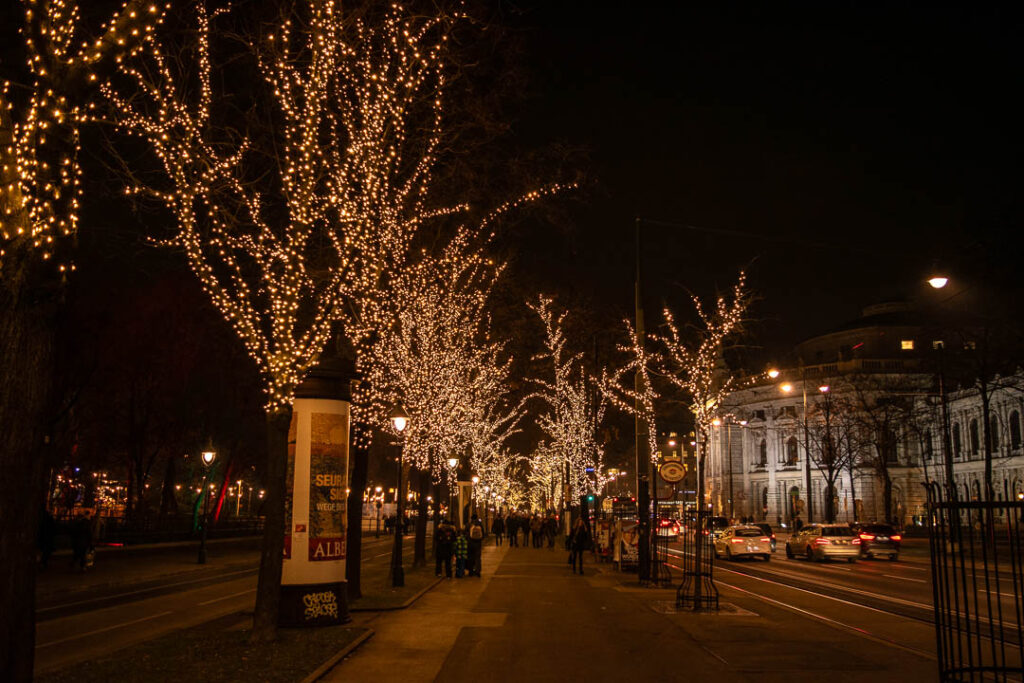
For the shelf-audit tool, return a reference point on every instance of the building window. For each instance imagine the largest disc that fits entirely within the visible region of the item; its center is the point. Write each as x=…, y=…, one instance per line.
x=970, y=345
x=938, y=344
x=972, y=431
x=927, y=445
x=1015, y=430
x=791, y=451
x=956, y=440
x=907, y=344
x=993, y=432
x=763, y=453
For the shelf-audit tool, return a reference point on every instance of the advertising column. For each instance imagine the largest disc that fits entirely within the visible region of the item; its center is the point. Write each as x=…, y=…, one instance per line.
x=313, y=578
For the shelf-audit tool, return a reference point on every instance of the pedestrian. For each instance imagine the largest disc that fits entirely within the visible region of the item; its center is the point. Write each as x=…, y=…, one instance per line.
x=550, y=530
x=461, y=553
x=498, y=527
x=512, y=529
x=476, y=542
x=535, y=525
x=81, y=542
x=579, y=543
x=798, y=523
x=444, y=541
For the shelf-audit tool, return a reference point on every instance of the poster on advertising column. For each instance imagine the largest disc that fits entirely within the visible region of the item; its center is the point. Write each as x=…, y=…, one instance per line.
x=289, y=487
x=328, y=458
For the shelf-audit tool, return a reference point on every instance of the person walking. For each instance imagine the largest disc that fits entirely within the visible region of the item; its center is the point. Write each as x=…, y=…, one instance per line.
x=512, y=529
x=579, y=544
x=550, y=530
x=535, y=531
x=476, y=543
x=444, y=542
x=461, y=553
x=498, y=528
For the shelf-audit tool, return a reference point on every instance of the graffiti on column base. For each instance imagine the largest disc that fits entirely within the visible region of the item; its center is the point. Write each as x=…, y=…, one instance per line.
x=323, y=604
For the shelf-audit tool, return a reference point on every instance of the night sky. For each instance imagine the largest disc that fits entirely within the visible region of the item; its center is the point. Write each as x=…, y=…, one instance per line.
x=856, y=144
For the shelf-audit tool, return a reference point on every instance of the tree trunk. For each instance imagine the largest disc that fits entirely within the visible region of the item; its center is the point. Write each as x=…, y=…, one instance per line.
x=268, y=589
x=887, y=495
x=830, y=495
x=26, y=365
x=354, y=539
x=698, y=542
x=419, y=556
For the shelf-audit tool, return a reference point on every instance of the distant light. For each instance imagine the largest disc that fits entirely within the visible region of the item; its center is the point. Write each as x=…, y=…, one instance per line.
x=773, y=373
x=743, y=423
x=716, y=422
x=476, y=479
x=824, y=388
x=938, y=282
x=786, y=388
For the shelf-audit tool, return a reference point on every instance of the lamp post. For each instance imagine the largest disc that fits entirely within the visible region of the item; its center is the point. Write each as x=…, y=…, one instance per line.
x=399, y=420
x=378, y=504
x=453, y=464
x=208, y=456
x=472, y=495
x=787, y=388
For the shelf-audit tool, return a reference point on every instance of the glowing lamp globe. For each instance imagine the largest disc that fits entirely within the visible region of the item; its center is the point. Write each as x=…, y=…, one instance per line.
x=938, y=282
x=399, y=418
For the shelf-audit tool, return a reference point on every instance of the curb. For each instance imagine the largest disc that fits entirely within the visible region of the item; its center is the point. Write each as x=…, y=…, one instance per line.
x=324, y=668
x=404, y=605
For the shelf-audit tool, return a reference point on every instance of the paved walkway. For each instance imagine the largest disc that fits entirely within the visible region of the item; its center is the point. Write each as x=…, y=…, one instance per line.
x=530, y=619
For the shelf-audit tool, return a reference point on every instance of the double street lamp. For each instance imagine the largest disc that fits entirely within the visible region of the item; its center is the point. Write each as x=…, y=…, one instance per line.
x=399, y=420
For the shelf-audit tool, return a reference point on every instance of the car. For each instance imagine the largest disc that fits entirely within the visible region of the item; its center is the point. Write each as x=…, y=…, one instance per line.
x=743, y=541
x=878, y=539
x=669, y=528
x=824, y=542
x=766, y=529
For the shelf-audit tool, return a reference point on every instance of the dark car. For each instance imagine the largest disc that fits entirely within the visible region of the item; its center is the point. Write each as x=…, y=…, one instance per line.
x=768, y=531
x=878, y=539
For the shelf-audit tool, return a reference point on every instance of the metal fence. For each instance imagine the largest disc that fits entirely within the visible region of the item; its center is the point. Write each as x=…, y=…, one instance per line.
x=977, y=584
x=660, y=574
x=697, y=590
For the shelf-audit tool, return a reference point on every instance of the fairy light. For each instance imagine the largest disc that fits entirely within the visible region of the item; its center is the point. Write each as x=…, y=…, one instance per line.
x=570, y=418
x=621, y=389
x=40, y=126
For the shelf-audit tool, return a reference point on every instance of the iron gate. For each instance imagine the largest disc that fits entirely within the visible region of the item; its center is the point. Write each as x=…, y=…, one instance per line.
x=697, y=590
x=977, y=584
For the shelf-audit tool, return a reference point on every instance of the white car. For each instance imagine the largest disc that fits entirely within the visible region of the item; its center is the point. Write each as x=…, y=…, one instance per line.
x=743, y=541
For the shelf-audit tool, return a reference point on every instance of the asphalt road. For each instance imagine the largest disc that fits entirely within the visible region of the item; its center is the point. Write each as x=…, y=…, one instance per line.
x=143, y=598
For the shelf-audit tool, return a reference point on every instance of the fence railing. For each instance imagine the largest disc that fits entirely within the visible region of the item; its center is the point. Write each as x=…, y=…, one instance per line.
x=697, y=590
x=977, y=584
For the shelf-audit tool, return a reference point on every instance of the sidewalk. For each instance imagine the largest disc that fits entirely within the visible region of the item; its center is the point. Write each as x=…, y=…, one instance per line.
x=530, y=618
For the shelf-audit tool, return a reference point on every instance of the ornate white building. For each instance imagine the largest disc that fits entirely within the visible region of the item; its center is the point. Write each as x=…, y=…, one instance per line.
x=758, y=457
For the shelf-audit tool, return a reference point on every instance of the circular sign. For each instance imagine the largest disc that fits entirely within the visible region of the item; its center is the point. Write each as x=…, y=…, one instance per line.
x=672, y=472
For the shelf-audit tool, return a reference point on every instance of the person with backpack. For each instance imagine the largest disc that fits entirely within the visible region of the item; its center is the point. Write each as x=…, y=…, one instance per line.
x=476, y=542
x=444, y=546
x=579, y=544
x=461, y=553
x=498, y=527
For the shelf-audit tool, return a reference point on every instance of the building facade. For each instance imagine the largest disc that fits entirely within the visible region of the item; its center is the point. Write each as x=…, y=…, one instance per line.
x=868, y=410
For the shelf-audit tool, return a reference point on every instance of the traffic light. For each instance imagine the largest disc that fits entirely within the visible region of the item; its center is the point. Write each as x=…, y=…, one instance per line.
x=590, y=498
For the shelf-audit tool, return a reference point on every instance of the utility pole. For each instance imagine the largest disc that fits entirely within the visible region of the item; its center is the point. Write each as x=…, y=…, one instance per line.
x=640, y=430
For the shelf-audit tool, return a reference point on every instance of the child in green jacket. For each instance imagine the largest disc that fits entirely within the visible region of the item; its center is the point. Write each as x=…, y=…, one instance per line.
x=461, y=554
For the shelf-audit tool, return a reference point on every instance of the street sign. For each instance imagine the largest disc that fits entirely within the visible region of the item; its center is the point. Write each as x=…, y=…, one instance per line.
x=672, y=471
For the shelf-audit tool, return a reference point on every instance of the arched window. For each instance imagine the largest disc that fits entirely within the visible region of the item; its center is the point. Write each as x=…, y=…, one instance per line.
x=957, y=441
x=993, y=432
x=1015, y=430
x=763, y=453
x=973, y=435
x=791, y=451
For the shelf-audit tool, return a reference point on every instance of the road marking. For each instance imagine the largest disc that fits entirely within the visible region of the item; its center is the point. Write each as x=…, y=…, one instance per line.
x=101, y=630
x=227, y=597
x=64, y=605
x=905, y=578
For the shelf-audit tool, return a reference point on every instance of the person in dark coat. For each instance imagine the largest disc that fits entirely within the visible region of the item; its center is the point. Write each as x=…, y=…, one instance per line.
x=498, y=528
x=579, y=543
x=476, y=543
x=444, y=548
x=512, y=529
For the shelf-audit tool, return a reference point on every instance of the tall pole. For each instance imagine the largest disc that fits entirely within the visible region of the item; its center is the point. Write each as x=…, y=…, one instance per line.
x=728, y=438
x=807, y=449
x=640, y=431
x=397, y=572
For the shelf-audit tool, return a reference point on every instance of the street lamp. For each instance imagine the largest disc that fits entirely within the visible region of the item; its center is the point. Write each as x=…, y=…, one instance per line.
x=938, y=282
x=378, y=504
x=399, y=420
x=472, y=493
x=208, y=456
x=453, y=464
x=824, y=389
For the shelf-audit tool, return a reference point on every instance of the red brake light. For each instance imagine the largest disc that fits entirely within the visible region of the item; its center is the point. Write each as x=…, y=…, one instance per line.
x=867, y=537
x=896, y=537
x=821, y=541
x=855, y=541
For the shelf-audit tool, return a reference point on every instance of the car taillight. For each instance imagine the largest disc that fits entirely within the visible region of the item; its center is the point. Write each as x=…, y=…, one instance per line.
x=737, y=540
x=867, y=537
x=773, y=537
x=856, y=541
x=765, y=539
x=896, y=537
x=821, y=541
